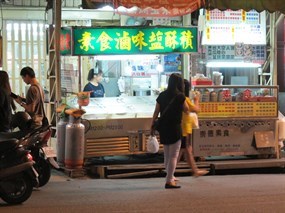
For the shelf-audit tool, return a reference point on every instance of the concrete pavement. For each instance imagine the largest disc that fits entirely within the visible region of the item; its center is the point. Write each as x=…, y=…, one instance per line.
x=231, y=193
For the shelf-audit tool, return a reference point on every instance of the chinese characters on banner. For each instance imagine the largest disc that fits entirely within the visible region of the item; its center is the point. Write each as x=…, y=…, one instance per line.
x=65, y=41
x=133, y=40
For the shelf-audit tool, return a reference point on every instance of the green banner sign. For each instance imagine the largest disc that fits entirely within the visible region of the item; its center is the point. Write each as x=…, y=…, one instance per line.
x=65, y=41
x=133, y=40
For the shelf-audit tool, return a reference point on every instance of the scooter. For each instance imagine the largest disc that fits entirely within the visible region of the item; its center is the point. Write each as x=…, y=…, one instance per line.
x=36, y=142
x=17, y=175
x=43, y=155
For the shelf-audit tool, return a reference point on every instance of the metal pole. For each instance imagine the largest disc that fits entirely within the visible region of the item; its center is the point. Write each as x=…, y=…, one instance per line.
x=273, y=50
x=57, y=5
x=186, y=19
x=79, y=75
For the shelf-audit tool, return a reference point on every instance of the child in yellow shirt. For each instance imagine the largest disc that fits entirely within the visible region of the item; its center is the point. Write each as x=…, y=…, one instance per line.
x=186, y=145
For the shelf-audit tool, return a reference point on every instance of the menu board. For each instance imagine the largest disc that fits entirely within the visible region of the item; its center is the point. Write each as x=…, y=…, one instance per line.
x=229, y=52
x=230, y=27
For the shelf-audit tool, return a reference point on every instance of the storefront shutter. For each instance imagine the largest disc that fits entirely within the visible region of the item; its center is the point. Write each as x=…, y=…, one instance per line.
x=24, y=44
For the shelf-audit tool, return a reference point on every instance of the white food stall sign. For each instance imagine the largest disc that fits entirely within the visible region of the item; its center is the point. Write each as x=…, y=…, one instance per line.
x=231, y=27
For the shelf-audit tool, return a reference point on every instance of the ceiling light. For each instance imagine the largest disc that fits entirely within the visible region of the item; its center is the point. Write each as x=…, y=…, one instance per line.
x=232, y=64
x=124, y=57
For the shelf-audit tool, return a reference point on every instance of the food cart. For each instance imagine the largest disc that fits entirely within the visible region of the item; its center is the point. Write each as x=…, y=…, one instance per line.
x=238, y=116
x=237, y=121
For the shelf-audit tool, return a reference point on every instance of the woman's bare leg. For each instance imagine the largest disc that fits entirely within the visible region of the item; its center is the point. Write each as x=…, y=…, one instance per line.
x=189, y=155
x=191, y=160
x=182, y=152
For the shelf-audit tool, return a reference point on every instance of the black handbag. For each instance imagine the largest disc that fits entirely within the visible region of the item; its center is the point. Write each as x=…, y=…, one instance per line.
x=157, y=121
x=156, y=124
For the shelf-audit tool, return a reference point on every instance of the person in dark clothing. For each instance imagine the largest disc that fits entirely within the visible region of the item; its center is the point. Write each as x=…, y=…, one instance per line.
x=94, y=85
x=170, y=124
x=6, y=103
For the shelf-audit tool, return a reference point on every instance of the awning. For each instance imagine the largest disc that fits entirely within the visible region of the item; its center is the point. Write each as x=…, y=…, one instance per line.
x=258, y=5
x=168, y=8
x=146, y=8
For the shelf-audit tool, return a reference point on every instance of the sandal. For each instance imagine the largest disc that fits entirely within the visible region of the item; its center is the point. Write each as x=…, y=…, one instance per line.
x=172, y=185
x=200, y=172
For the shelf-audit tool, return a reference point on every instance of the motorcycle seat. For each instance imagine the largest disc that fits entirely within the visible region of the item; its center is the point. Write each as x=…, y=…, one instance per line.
x=8, y=144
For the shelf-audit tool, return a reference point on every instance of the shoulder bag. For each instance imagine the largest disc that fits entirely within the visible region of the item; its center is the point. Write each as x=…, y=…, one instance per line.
x=157, y=122
x=45, y=121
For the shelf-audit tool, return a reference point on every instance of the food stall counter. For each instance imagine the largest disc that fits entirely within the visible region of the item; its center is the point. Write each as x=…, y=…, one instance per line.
x=119, y=125
x=240, y=121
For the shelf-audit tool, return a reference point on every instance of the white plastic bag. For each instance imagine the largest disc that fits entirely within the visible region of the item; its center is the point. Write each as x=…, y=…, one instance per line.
x=194, y=120
x=152, y=145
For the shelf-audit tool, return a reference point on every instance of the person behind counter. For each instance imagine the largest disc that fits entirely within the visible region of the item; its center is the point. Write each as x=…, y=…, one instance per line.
x=94, y=85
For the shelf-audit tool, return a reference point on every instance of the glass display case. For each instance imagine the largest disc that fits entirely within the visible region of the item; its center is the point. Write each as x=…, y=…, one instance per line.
x=118, y=107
